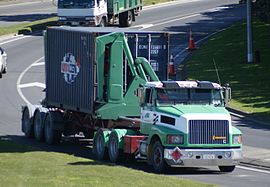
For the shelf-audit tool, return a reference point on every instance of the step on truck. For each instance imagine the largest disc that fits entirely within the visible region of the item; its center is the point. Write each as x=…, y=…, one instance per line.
x=97, y=12
x=166, y=123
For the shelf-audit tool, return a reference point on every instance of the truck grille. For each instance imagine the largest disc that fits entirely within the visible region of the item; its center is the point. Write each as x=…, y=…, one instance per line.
x=208, y=132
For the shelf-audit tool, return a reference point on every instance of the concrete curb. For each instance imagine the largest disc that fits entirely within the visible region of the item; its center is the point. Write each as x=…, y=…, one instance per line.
x=247, y=116
x=256, y=163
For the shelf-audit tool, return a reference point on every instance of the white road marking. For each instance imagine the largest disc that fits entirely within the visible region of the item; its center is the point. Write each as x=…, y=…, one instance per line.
x=19, y=37
x=26, y=3
x=38, y=64
x=32, y=84
x=169, y=21
x=253, y=169
x=20, y=79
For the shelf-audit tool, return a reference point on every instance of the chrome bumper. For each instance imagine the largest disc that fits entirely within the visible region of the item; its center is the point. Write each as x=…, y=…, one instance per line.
x=202, y=157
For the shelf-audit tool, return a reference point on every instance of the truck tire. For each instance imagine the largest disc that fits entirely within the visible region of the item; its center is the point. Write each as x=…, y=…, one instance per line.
x=158, y=162
x=125, y=19
x=52, y=136
x=4, y=70
x=99, y=145
x=1, y=74
x=113, y=150
x=39, y=119
x=102, y=23
x=226, y=169
x=27, y=126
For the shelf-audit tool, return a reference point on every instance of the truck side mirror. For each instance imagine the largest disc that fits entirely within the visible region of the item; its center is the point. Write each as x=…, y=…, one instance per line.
x=55, y=2
x=227, y=94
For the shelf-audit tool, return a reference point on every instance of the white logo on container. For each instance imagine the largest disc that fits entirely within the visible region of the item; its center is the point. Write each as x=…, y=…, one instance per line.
x=70, y=68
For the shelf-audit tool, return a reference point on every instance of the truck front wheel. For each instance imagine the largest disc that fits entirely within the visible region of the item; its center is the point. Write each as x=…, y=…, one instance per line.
x=159, y=164
x=226, y=168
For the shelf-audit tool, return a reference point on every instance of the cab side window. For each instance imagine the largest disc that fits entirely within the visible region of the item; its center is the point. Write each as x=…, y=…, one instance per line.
x=148, y=96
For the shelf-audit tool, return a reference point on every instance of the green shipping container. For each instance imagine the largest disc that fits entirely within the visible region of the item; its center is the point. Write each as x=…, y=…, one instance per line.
x=118, y=6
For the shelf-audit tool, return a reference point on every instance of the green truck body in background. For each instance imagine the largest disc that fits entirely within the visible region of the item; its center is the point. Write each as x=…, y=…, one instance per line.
x=167, y=123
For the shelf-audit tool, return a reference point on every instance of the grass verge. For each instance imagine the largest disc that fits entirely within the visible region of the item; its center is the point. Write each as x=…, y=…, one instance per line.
x=25, y=28
x=25, y=166
x=249, y=82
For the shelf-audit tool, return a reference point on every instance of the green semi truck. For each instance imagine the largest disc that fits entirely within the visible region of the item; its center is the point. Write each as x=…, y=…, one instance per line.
x=98, y=12
x=166, y=123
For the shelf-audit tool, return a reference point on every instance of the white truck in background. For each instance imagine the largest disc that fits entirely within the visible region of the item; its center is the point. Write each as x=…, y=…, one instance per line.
x=97, y=12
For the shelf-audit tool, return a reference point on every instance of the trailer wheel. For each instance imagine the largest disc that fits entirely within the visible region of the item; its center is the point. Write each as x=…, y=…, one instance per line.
x=159, y=164
x=39, y=119
x=125, y=19
x=27, y=126
x=52, y=136
x=114, y=152
x=99, y=145
x=226, y=168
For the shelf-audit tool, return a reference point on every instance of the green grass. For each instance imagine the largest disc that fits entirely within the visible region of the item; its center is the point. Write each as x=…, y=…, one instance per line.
x=26, y=166
x=249, y=82
x=28, y=27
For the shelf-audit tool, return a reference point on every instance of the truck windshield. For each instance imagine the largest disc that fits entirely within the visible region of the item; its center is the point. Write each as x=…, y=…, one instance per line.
x=189, y=96
x=76, y=3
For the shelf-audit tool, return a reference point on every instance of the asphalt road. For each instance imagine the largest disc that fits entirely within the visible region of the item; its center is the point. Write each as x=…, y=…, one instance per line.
x=26, y=12
x=24, y=79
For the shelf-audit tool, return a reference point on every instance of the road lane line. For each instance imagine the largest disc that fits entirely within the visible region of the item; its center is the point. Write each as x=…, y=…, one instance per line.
x=26, y=3
x=38, y=64
x=32, y=84
x=253, y=169
x=169, y=21
x=20, y=79
x=15, y=39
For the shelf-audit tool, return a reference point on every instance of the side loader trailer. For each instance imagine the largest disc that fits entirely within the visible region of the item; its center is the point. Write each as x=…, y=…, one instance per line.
x=167, y=123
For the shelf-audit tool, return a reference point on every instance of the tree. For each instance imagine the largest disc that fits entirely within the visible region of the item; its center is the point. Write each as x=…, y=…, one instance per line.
x=262, y=9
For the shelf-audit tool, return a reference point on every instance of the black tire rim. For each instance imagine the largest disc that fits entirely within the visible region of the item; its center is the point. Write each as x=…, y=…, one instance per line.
x=157, y=157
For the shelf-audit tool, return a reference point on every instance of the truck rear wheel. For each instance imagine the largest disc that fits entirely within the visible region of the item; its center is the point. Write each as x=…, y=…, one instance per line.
x=125, y=19
x=39, y=118
x=226, y=168
x=114, y=152
x=159, y=164
x=52, y=136
x=99, y=145
x=27, y=126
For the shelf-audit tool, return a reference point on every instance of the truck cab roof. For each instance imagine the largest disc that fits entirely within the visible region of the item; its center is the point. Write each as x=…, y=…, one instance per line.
x=183, y=84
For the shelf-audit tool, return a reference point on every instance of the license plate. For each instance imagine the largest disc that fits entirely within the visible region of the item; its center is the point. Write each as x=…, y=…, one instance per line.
x=208, y=156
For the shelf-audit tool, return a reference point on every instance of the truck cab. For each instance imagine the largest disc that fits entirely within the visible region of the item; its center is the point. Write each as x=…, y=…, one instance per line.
x=187, y=124
x=80, y=12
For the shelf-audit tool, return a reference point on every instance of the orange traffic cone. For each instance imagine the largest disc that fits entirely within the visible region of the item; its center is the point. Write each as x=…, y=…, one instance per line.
x=191, y=45
x=171, y=68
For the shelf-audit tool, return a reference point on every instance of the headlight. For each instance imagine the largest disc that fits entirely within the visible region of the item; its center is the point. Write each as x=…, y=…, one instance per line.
x=237, y=139
x=62, y=18
x=175, y=139
x=89, y=18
